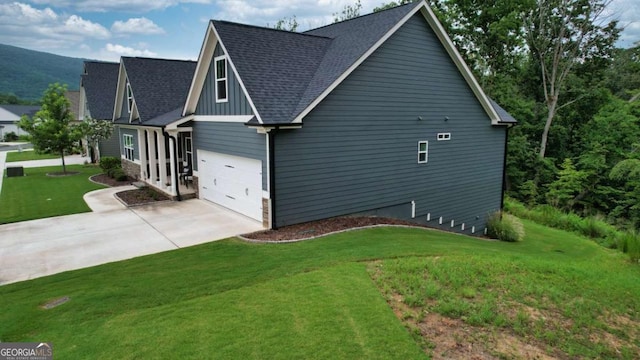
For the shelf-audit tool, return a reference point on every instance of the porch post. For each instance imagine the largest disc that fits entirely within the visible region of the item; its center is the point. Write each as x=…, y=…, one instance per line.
x=162, y=159
x=143, y=154
x=172, y=161
x=152, y=156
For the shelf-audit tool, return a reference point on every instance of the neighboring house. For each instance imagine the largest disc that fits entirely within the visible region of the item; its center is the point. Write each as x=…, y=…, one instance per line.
x=97, y=96
x=74, y=100
x=377, y=115
x=150, y=95
x=11, y=114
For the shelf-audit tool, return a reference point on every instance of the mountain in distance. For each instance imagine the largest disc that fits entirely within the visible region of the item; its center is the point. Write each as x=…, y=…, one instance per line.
x=28, y=73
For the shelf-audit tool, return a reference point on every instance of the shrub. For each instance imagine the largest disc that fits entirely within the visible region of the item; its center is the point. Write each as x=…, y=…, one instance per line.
x=629, y=243
x=118, y=174
x=10, y=136
x=110, y=162
x=504, y=227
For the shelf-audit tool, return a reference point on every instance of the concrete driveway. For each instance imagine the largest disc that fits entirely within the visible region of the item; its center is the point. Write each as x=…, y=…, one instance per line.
x=36, y=248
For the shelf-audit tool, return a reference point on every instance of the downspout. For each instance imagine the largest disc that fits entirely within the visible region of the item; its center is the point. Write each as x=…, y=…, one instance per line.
x=174, y=173
x=504, y=168
x=272, y=178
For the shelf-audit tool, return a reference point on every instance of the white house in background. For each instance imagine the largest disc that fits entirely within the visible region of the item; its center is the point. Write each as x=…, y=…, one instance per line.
x=11, y=114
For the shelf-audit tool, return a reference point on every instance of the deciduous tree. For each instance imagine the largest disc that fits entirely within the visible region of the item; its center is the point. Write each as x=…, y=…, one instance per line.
x=50, y=128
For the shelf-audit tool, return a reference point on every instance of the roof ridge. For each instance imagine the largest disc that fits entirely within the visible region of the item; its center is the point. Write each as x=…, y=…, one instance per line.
x=161, y=59
x=271, y=29
x=365, y=15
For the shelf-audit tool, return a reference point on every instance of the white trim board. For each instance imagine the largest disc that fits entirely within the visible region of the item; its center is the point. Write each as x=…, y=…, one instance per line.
x=223, y=118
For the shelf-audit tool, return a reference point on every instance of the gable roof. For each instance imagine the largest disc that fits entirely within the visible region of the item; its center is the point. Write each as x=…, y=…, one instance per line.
x=99, y=83
x=20, y=110
x=74, y=100
x=159, y=87
x=284, y=75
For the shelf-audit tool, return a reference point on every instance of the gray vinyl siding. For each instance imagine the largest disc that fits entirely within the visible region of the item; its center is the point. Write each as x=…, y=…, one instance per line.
x=111, y=146
x=136, y=147
x=232, y=139
x=357, y=151
x=237, y=103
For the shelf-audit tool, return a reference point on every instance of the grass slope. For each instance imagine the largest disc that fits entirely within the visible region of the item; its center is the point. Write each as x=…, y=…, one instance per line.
x=231, y=299
x=37, y=195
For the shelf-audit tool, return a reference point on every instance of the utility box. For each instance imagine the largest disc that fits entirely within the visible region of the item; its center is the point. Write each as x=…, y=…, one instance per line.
x=14, y=171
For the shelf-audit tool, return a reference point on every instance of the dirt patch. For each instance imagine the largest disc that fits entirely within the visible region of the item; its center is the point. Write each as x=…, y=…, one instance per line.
x=107, y=181
x=322, y=227
x=61, y=174
x=141, y=196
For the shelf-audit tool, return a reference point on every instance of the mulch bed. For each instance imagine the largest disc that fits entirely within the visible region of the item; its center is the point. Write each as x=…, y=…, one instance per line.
x=133, y=197
x=104, y=179
x=321, y=227
x=141, y=196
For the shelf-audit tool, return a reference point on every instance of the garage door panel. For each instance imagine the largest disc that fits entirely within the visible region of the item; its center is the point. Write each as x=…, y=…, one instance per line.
x=233, y=182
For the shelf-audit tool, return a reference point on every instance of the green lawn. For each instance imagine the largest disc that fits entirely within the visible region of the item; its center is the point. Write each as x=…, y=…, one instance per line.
x=37, y=195
x=13, y=156
x=317, y=299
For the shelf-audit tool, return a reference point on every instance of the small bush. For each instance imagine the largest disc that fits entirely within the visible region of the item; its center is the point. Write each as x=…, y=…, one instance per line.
x=629, y=243
x=110, y=162
x=10, y=136
x=118, y=174
x=505, y=227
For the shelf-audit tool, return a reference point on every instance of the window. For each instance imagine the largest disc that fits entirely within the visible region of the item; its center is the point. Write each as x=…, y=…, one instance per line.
x=220, y=64
x=128, y=147
x=423, y=152
x=129, y=97
x=188, y=152
x=444, y=136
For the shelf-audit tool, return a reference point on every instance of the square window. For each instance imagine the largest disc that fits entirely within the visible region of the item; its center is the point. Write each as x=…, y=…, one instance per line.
x=444, y=136
x=423, y=152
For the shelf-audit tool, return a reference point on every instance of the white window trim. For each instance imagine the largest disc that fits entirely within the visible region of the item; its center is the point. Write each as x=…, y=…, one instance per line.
x=426, y=152
x=225, y=79
x=127, y=140
x=129, y=97
x=444, y=136
x=188, y=150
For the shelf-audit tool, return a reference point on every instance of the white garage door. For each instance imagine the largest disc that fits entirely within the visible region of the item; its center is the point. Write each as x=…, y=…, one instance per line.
x=231, y=181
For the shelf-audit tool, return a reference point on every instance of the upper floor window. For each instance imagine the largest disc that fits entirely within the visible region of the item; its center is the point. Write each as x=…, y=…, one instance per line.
x=423, y=152
x=444, y=136
x=220, y=64
x=129, y=97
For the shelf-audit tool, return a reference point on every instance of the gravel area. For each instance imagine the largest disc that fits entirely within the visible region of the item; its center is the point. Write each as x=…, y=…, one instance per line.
x=321, y=227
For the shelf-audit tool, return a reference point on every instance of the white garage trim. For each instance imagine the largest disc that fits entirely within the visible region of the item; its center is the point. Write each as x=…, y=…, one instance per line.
x=231, y=181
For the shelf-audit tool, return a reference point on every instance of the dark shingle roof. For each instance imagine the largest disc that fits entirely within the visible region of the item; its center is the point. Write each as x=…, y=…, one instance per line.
x=100, y=82
x=284, y=72
x=505, y=117
x=74, y=100
x=276, y=66
x=159, y=86
x=20, y=110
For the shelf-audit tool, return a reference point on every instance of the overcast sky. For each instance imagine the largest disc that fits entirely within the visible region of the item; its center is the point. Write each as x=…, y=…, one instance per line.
x=108, y=29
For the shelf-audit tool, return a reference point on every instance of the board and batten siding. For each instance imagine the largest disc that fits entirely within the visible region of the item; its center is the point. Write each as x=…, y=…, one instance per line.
x=136, y=146
x=111, y=145
x=231, y=139
x=124, y=113
x=357, y=151
x=237, y=103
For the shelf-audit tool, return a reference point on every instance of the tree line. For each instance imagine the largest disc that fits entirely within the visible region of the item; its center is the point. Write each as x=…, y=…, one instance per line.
x=554, y=66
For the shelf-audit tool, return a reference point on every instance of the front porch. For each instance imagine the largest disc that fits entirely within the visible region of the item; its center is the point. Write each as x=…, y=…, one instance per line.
x=166, y=161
